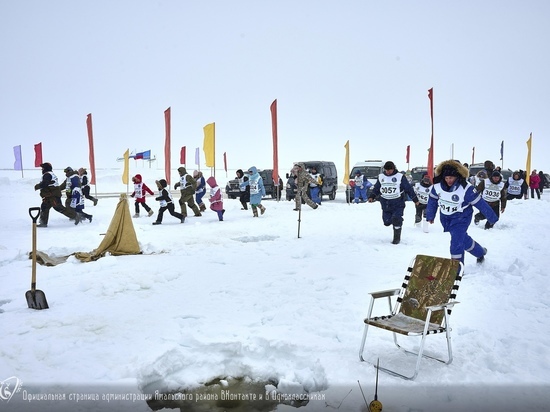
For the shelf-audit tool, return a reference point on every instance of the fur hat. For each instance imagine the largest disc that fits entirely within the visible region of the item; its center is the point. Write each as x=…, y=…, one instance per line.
x=450, y=168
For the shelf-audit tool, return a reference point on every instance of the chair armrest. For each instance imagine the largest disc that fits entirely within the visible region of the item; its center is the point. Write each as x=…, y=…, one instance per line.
x=385, y=293
x=442, y=306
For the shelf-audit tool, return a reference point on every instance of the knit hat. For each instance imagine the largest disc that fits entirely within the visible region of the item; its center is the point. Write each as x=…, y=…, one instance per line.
x=46, y=166
x=389, y=165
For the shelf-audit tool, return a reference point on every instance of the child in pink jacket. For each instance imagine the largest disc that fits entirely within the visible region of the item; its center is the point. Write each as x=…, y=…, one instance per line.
x=216, y=199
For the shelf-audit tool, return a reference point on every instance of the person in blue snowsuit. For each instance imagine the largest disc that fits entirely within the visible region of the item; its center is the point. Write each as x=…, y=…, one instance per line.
x=454, y=196
x=77, y=200
x=391, y=188
x=361, y=185
x=200, y=191
x=257, y=190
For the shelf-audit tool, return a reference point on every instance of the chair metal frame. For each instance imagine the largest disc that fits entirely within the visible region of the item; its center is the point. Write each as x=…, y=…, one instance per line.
x=416, y=325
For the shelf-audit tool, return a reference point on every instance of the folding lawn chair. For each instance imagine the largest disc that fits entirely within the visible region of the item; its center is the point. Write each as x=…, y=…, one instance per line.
x=423, y=306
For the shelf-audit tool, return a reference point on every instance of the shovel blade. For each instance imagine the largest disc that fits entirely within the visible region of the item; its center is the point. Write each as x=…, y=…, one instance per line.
x=36, y=300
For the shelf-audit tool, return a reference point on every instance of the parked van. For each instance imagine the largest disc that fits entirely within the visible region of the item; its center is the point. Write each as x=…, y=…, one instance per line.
x=369, y=168
x=328, y=172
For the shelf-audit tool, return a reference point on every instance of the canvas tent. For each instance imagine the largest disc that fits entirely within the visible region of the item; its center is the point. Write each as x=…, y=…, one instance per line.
x=120, y=239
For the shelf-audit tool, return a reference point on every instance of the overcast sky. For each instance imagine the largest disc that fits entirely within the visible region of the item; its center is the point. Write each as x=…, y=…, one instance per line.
x=354, y=70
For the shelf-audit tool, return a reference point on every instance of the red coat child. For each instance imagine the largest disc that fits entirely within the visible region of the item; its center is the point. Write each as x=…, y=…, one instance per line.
x=216, y=199
x=140, y=191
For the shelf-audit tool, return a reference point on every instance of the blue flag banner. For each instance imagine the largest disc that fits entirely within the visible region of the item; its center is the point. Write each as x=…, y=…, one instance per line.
x=142, y=155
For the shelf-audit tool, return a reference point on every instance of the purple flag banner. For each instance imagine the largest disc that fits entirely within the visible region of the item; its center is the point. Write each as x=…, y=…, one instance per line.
x=18, y=165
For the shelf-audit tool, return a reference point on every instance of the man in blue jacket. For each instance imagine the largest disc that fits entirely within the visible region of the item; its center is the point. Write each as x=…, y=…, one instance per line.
x=391, y=188
x=455, y=196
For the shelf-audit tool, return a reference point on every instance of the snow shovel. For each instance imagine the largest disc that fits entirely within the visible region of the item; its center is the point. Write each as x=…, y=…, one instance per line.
x=35, y=298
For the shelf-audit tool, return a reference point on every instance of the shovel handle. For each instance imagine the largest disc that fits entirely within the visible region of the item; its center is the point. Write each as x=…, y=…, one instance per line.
x=34, y=216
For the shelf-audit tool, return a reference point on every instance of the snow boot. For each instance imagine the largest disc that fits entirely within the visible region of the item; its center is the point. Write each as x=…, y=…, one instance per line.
x=150, y=213
x=396, y=236
x=202, y=207
x=157, y=222
x=482, y=257
x=262, y=209
x=44, y=217
x=137, y=215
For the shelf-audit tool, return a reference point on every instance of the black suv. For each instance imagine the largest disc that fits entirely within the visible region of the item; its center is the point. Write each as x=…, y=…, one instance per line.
x=232, y=188
x=327, y=170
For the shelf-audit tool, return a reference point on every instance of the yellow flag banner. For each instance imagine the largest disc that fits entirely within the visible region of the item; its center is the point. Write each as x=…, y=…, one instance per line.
x=126, y=172
x=346, y=164
x=528, y=166
x=209, y=145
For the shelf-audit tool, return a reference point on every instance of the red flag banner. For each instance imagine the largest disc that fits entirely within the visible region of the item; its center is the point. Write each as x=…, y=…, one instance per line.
x=167, y=167
x=91, y=148
x=431, y=150
x=528, y=163
x=182, y=156
x=38, y=154
x=273, y=109
x=225, y=161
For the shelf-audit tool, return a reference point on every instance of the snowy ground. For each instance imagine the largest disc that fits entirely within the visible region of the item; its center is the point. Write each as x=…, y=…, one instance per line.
x=245, y=298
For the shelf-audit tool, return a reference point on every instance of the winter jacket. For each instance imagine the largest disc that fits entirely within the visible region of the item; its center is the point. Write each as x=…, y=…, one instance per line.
x=256, y=183
x=77, y=200
x=455, y=202
x=216, y=199
x=186, y=184
x=140, y=189
x=303, y=178
x=534, y=181
x=391, y=191
x=543, y=181
x=493, y=192
x=164, y=196
x=201, y=184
